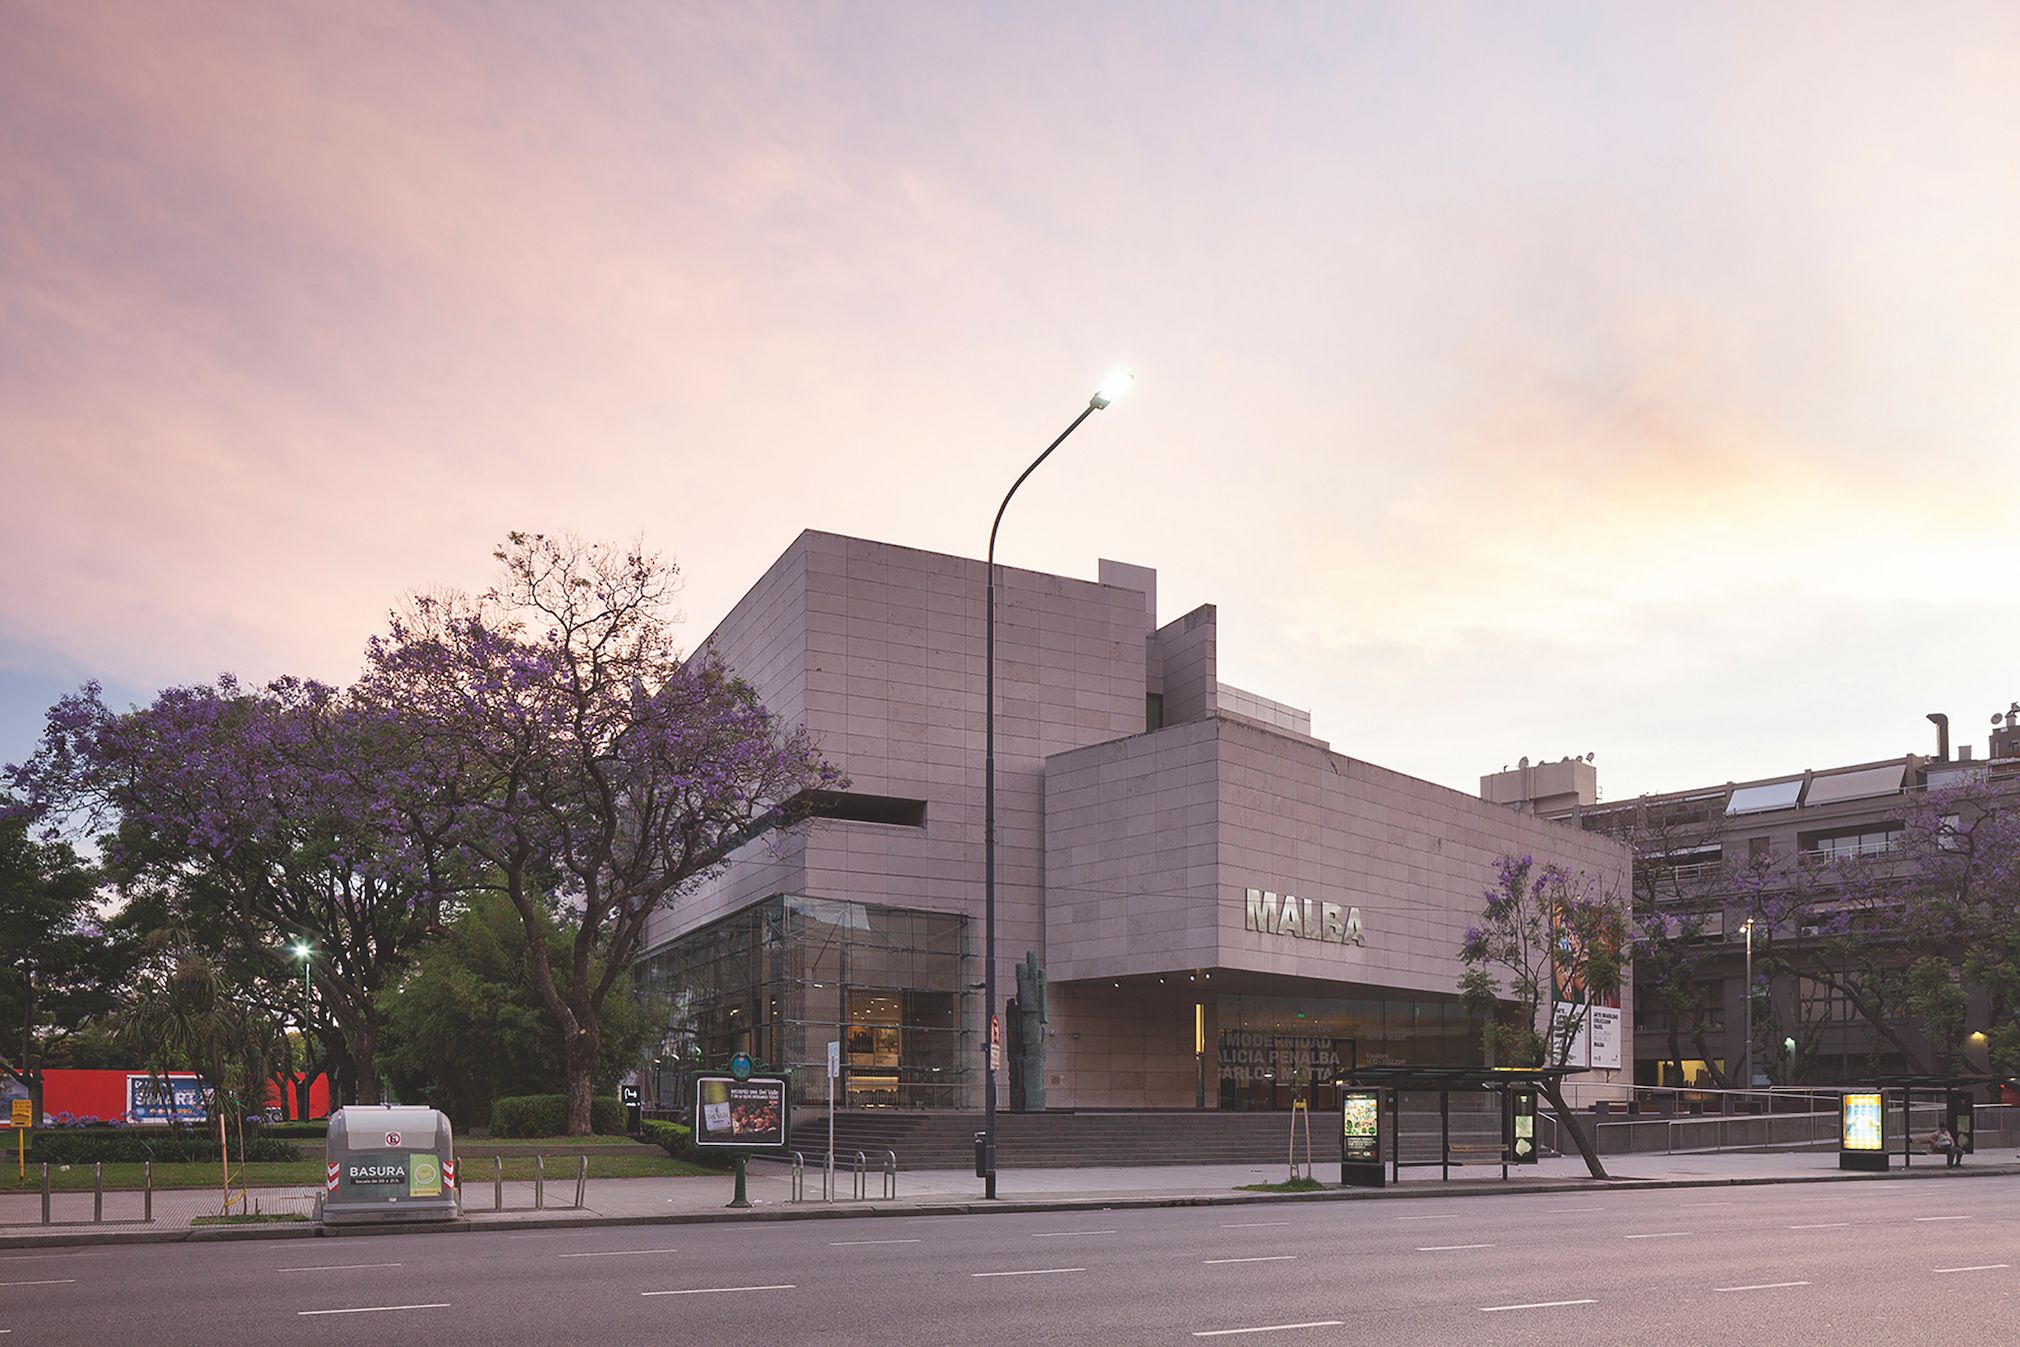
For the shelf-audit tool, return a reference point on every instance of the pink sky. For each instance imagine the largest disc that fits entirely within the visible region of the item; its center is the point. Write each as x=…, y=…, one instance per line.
x=1518, y=380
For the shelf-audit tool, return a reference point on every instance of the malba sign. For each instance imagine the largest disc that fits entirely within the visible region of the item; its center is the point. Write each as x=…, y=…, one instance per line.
x=1286, y=915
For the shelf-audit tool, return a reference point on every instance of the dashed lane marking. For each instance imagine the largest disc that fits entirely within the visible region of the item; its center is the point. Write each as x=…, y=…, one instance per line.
x=375, y=1309
x=49, y=1281
x=1266, y=1328
x=719, y=1290
x=1259, y=1258
x=1659, y=1234
x=1821, y=1225
x=1975, y=1267
x=1030, y=1272
x=1448, y=1248
x=614, y=1253
x=333, y=1267
x=1760, y=1286
x=1055, y=1234
x=845, y=1243
x=1535, y=1305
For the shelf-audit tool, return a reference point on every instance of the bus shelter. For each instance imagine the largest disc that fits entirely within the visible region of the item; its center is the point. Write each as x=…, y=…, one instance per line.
x=1370, y=1092
x=1863, y=1128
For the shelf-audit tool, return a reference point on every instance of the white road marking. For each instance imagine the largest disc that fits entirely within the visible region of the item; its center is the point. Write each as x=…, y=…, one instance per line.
x=1942, y=1218
x=53, y=1281
x=1447, y=1248
x=614, y=1253
x=1534, y=1305
x=1029, y=1272
x=1821, y=1225
x=332, y=1267
x=1557, y=1209
x=1659, y=1234
x=717, y=1290
x=845, y=1243
x=1760, y=1286
x=1249, y=1225
x=1055, y=1234
x=1975, y=1267
x=1441, y=1216
x=376, y=1309
x=1259, y=1258
x=67, y=1253
x=1266, y=1328
x=1711, y=1204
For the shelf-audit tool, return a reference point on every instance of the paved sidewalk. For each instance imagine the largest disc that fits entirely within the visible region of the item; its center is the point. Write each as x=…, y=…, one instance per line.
x=705, y=1199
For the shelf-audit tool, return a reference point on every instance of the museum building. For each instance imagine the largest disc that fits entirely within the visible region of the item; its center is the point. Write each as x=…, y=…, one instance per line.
x=1228, y=912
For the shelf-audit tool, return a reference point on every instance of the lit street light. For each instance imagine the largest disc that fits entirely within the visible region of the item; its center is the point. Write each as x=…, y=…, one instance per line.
x=1111, y=388
x=302, y=950
x=1746, y=1081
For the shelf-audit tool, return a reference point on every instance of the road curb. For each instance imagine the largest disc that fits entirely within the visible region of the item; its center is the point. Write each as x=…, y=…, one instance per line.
x=482, y=1225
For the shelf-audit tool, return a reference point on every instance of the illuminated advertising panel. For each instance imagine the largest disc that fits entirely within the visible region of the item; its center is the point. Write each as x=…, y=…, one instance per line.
x=1361, y=1127
x=1865, y=1122
x=746, y=1113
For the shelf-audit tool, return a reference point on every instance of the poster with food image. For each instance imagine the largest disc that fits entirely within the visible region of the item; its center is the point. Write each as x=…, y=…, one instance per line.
x=749, y=1113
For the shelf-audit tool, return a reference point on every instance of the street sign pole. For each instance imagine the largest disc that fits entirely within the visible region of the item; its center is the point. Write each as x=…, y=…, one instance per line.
x=834, y=1069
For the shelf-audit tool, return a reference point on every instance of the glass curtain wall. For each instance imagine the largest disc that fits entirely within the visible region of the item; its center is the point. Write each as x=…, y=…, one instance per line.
x=783, y=979
x=1274, y=1049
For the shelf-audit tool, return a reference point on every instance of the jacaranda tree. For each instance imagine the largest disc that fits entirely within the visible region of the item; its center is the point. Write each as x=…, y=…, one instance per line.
x=576, y=763
x=284, y=814
x=1542, y=927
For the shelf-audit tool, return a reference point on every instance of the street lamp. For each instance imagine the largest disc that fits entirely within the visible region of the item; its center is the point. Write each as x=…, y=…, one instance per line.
x=1112, y=388
x=1746, y=1052
x=302, y=950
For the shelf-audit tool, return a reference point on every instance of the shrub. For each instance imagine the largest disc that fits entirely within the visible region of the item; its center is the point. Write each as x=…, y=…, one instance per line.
x=677, y=1140
x=313, y=1130
x=546, y=1115
x=164, y=1145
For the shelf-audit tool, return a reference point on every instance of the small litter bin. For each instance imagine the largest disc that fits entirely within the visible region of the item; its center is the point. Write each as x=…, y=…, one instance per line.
x=389, y=1164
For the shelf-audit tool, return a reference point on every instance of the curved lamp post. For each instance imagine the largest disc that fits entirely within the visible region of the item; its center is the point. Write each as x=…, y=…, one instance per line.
x=1111, y=389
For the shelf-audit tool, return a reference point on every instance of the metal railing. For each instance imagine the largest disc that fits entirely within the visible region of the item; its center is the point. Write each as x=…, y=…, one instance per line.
x=859, y=1178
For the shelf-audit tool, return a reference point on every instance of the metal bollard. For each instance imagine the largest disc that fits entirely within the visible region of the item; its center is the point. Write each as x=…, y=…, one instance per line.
x=581, y=1179
x=45, y=1192
x=97, y=1192
x=539, y=1182
x=497, y=1183
x=147, y=1191
x=828, y=1178
x=799, y=1177
x=890, y=1176
x=862, y=1176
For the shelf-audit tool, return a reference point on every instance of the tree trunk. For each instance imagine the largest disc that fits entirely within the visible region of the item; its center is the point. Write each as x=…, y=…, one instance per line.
x=1566, y=1121
x=582, y=1048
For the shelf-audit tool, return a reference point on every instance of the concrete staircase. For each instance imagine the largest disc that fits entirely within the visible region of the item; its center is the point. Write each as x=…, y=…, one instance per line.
x=1061, y=1140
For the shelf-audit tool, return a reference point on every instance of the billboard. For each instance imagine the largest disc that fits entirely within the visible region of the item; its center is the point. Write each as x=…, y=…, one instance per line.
x=1864, y=1121
x=745, y=1113
x=165, y=1099
x=1361, y=1127
x=1590, y=1022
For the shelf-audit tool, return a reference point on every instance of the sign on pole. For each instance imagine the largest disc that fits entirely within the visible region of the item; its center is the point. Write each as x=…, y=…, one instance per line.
x=995, y=1043
x=23, y=1113
x=834, y=1059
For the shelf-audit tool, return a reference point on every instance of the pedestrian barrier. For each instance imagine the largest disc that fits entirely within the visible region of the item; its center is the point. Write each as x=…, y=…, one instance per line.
x=799, y=1177
x=890, y=1176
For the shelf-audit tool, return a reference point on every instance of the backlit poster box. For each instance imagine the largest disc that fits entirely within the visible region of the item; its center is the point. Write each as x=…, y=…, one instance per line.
x=1361, y=1138
x=1862, y=1141
x=1361, y=1127
x=750, y=1114
x=1865, y=1126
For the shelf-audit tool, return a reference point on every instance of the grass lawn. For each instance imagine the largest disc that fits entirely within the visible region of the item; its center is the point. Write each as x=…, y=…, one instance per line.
x=309, y=1173
x=1288, y=1186
x=485, y=1144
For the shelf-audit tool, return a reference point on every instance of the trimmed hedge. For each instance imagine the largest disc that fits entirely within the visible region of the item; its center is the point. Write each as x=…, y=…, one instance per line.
x=546, y=1115
x=677, y=1140
x=165, y=1145
x=316, y=1129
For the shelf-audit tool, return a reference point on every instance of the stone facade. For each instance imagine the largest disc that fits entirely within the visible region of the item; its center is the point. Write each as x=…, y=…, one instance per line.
x=1124, y=851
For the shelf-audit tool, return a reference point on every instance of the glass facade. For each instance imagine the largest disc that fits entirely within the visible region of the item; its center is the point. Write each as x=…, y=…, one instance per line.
x=1273, y=1049
x=783, y=979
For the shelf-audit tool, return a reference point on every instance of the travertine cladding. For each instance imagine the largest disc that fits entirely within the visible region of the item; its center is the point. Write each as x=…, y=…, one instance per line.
x=1151, y=842
x=878, y=651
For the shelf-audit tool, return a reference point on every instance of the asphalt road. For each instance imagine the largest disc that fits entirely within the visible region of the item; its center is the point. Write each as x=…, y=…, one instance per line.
x=1929, y=1260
